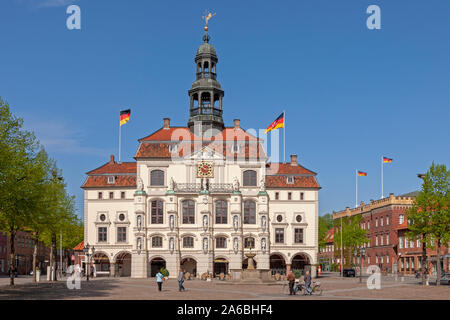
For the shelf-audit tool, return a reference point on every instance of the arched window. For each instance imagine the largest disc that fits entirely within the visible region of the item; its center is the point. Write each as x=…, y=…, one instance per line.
x=188, y=212
x=188, y=242
x=221, y=243
x=249, y=178
x=157, y=212
x=157, y=178
x=249, y=212
x=221, y=212
x=249, y=243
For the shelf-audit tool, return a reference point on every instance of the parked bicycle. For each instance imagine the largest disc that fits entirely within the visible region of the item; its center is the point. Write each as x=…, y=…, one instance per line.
x=300, y=288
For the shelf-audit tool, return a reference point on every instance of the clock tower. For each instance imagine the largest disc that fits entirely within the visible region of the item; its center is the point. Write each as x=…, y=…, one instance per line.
x=206, y=94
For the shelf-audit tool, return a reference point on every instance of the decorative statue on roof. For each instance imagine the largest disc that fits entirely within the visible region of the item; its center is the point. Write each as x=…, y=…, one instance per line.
x=263, y=184
x=172, y=184
x=235, y=184
x=140, y=184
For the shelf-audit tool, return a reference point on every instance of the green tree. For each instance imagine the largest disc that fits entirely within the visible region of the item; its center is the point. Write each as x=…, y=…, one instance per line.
x=325, y=224
x=21, y=174
x=429, y=217
x=353, y=236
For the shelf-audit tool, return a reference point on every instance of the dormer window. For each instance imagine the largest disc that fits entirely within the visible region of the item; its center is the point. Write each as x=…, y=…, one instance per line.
x=173, y=148
x=290, y=180
x=111, y=179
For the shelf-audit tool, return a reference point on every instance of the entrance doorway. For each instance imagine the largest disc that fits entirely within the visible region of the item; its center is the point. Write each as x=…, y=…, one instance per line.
x=220, y=266
x=190, y=265
x=123, y=265
x=155, y=266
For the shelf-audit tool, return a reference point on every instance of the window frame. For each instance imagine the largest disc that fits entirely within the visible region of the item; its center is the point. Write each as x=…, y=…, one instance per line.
x=249, y=214
x=188, y=242
x=159, y=244
x=155, y=181
x=279, y=235
x=122, y=231
x=188, y=211
x=250, y=181
x=247, y=242
x=102, y=231
x=223, y=244
x=302, y=233
x=157, y=212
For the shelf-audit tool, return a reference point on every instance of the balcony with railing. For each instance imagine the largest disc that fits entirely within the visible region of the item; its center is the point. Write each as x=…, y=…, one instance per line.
x=206, y=110
x=197, y=187
x=206, y=75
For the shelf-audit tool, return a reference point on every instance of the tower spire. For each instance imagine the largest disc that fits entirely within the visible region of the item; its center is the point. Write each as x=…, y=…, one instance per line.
x=206, y=94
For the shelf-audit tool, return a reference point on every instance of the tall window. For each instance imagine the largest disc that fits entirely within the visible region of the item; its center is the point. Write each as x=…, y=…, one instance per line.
x=249, y=178
x=157, y=242
x=401, y=219
x=249, y=243
x=100, y=195
x=188, y=242
x=298, y=235
x=102, y=234
x=302, y=196
x=121, y=234
x=289, y=195
x=221, y=243
x=188, y=212
x=221, y=212
x=249, y=212
x=400, y=242
x=157, y=178
x=157, y=212
x=111, y=195
x=279, y=235
x=122, y=195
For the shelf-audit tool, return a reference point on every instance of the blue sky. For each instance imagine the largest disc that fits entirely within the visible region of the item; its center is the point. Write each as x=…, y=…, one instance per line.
x=351, y=94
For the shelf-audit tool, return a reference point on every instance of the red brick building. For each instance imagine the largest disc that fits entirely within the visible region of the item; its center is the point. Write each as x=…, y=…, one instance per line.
x=24, y=248
x=386, y=224
x=326, y=254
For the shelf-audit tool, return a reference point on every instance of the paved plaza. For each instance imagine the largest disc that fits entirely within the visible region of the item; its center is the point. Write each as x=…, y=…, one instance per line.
x=334, y=287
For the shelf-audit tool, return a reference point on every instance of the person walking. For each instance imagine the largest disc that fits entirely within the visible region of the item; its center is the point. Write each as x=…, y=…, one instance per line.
x=159, y=280
x=307, y=283
x=181, y=280
x=291, y=279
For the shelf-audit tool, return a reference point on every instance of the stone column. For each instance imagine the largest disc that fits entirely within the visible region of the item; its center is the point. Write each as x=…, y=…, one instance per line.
x=112, y=269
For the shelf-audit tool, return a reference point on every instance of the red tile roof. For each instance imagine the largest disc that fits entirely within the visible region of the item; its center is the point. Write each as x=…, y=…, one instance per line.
x=329, y=237
x=299, y=182
x=287, y=168
x=102, y=182
x=252, y=150
x=114, y=167
x=183, y=133
x=79, y=246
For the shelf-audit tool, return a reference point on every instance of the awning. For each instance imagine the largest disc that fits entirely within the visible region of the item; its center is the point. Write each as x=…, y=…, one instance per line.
x=220, y=260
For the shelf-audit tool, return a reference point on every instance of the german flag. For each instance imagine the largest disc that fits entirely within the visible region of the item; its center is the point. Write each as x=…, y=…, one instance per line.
x=386, y=160
x=124, y=116
x=362, y=174
x=278, y=123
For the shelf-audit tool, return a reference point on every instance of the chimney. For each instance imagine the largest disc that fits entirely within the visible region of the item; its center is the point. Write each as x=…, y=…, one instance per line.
x=237, y=124
x=294, y=160
x=111, y=159
x=166, y=123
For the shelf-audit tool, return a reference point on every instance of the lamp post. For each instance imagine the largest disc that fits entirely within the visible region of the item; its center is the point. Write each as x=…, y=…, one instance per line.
x=362, y=256
x=88, y=262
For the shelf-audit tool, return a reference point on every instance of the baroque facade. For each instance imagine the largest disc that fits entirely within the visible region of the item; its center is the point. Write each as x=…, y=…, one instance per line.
x=201, y=196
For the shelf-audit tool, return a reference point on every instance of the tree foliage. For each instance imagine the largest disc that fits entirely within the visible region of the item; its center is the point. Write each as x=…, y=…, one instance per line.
x=32, y=198
x=325, y=224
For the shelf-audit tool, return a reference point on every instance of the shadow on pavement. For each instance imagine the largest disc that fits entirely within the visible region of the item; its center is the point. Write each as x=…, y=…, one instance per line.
x=99, y=289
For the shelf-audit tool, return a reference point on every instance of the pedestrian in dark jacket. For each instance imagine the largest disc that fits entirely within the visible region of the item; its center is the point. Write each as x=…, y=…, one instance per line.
x=181, y=280
x=308, y=283
x=291, y=279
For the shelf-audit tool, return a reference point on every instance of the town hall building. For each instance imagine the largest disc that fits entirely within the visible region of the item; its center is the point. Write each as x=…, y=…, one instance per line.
x=202, y=196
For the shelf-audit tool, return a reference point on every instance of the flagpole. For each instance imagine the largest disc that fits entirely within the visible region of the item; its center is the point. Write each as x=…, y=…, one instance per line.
x=120, y=141
x=356, y=203
x=382, y=173
x=284, y=136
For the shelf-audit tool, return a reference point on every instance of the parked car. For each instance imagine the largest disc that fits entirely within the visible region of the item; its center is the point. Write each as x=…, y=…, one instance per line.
x=445, y=278
x=349, y=273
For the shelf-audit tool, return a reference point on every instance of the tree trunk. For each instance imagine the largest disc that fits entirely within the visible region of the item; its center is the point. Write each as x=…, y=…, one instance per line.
x=35, y=251
x=54, y=255
x=51, y=263
x=438, y=269
x=12, y=257
x=424, y=261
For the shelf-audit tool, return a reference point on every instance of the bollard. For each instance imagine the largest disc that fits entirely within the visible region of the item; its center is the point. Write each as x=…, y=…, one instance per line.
x=38, y=275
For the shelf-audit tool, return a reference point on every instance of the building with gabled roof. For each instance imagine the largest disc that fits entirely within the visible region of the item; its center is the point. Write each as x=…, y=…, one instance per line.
x=201, y=197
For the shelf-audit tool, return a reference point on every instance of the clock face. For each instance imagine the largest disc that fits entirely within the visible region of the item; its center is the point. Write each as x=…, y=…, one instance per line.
x=205, y=170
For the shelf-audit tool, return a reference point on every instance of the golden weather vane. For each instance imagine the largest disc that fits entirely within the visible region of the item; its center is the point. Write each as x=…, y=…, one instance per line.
x=208, y=15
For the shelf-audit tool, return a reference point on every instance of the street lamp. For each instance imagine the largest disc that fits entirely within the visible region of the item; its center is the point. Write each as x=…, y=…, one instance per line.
x=362, y=253
x=88, y=263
